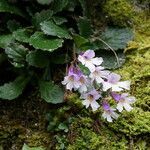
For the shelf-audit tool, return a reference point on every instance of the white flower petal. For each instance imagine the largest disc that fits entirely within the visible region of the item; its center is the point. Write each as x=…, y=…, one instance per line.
x=89, y=53
x=94, y=105
x=69, y=86
x=104, y=115
x=90, y=66
x=99, y=79
x=120, y=107
x=82, y=88
x=130, y=99
x=124, y=84
x=115, y=115
x=109, y=119
x=97, y=61
x=81, y=59
x=65, y=81
x=92, y=76
x=86, y=103
x=105, y=73
x=127, y=107
x=106, y=86
x=76, y=84
x=116, y=88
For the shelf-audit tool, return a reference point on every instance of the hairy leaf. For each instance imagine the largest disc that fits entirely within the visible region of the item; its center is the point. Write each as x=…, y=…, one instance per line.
x=84, y=7
x=7, y=7
x=50, y=92
x=40, y=41
x=37, y=58
x=110, y=61
x=41, y=16
x=26, y=147
x=59, y=20
x=22, y=35
x=84, y=27
x=50, y=28
x=17, y=54
x=79, y=40
x=13, y=25
x=116, y=38
x=44, y=2
x=13, y=89
x=5, y=40
x=71, y=5
x=59, y=5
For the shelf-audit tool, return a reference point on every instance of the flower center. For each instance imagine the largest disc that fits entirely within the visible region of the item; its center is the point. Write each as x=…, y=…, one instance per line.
x=96, y=73
x=71, y=78
x=82, y=80
x=90, y=97
x=122, y=100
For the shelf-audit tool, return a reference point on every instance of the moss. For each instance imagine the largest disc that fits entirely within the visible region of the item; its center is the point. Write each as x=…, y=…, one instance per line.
x=22, y=121
x=38, y=138
x=130, y=126
x=137, y=69
x=89, y=134
x=142, y=23
x=119, y=12
x=133, y=123
x=128, y=13
x=74, y=100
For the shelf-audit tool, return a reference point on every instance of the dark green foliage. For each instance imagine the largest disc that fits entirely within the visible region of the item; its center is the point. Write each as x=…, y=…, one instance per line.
x=22, y=35
x=79, y=40
x=84, y=26
x=51, y=93
x=37, y=59
x=59, y=20
x=5, y=40
x=110, y=60
x=6, y=7
x=41, y=35
x=59, y=5
x=17, y=54
x=12, y=90
x=13, y=25
x=41, y=16
x=116, y=38
x=26, y=147
x=40, y=41
x=61, y=59
x=44, y=2
x=49, y=28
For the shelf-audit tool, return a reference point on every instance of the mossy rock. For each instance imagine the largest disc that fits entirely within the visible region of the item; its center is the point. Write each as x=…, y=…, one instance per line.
x=133, y=123
x=119, y=12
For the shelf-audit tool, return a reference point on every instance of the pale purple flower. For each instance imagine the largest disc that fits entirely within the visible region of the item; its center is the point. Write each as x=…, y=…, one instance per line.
x=115, y=96
x=87, y=59
x=99, y=74
x=109, y=113
x=83, y=83
x=72, y=79
x=113, y=83
x=124, y=101
x=90, y=99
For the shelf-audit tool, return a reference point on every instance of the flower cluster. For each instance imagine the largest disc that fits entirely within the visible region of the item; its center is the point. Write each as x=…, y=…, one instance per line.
x=99, y=86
